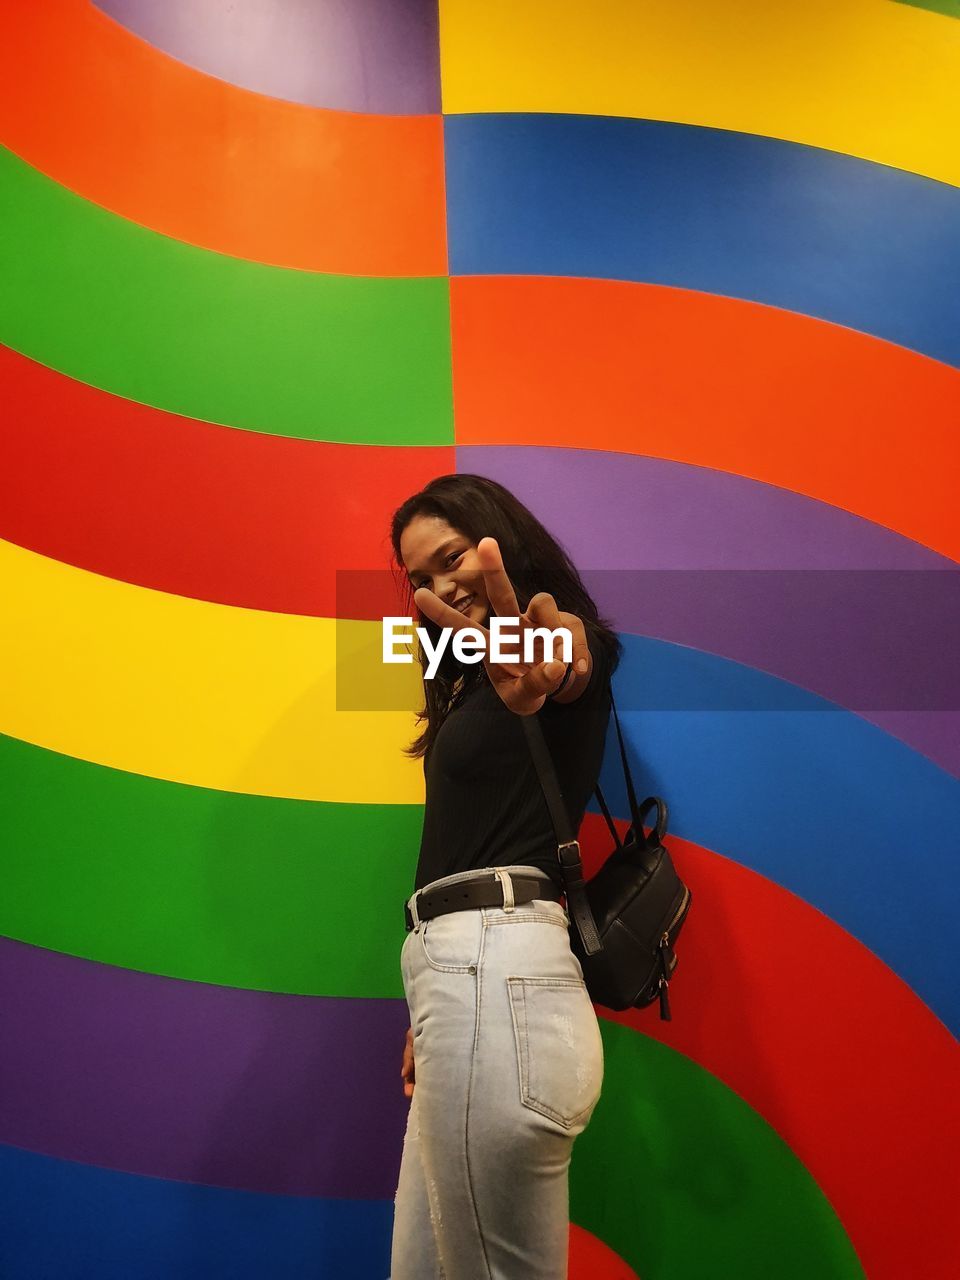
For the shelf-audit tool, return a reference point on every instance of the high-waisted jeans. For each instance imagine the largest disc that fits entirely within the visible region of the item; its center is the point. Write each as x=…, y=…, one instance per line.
x=508, y=1063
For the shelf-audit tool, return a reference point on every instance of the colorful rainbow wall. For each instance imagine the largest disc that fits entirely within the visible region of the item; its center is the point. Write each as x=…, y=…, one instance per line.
x=686, y=277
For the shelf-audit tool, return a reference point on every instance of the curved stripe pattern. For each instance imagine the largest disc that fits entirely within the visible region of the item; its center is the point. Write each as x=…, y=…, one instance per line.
x=370, y=55
x=260, y=691
x=264, y=547
x=255, y=546
x=664, y=1125
x=698, y=519
x=836, y=839
x=689, y=517
x=786, y=981
x=285, y=352
x=950, y=7
x=225, y=888
x=50, y=1225
x=748, y=217
x=58, y=1211
x=263, y=893
x=701, y=379
x=244, y=737
x=196, y=159
x=284, y=1094
x=89, y=447
x=815, y=630
x=868, y=79
x=826, y=639
x=796, y=218
x=279, y=1132
x=237, y=517
x=591, y=1259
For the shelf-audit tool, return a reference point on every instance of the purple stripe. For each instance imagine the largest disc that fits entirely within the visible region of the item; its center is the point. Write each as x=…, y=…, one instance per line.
x=366, y=55
x=623, y=511
x=296, y=1095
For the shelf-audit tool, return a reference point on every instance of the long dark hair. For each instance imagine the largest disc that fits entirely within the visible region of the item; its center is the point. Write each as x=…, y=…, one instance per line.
x=532, y=557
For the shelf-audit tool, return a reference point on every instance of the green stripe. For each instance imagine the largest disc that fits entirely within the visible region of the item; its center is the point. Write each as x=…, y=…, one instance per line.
x=238, y=890
x=287, y=352
x=949, y=7
x=685, y=1180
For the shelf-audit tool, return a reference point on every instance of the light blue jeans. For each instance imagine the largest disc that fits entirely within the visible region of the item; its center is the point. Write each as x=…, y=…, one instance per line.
x=509, y=1067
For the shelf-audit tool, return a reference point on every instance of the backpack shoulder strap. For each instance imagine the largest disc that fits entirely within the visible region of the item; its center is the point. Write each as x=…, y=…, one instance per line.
x=568, y=847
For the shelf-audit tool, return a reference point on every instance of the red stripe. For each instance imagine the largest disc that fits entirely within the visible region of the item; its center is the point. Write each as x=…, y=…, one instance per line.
x=591, y=1259
x=197, y=509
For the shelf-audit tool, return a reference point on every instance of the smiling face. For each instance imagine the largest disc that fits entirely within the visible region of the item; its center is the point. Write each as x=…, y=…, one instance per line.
x=437, y=556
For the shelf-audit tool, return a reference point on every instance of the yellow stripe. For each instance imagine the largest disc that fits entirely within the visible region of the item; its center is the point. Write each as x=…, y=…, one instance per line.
x=865, y=77
x=208, y=694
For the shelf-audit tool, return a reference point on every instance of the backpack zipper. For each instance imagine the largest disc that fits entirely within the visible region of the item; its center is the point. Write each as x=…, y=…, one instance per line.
x=678, y=913
x=664, y=983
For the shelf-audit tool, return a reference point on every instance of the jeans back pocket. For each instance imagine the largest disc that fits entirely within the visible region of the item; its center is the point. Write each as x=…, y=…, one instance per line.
x=559, y=1047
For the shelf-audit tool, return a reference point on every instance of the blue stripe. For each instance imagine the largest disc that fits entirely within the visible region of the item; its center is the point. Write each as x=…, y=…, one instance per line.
x=816, y=799
x=78, y=1222
x=812, y=231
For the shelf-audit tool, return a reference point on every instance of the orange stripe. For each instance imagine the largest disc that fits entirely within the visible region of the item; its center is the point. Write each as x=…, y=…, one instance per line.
x=203, y=161
x=813, y=407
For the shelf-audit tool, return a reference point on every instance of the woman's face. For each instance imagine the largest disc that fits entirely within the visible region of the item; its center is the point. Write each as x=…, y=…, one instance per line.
x=437, y=556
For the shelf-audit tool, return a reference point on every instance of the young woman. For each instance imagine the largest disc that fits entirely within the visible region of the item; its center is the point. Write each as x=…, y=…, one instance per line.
x=503, y=1061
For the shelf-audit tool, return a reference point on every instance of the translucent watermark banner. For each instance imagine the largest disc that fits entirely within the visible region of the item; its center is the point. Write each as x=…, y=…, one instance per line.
x=714, y=639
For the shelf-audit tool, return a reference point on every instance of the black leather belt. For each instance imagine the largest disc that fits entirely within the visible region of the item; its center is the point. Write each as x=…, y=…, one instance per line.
x=478, y=893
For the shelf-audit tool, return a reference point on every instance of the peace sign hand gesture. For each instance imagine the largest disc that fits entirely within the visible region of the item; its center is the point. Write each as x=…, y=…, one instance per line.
x=523, y=686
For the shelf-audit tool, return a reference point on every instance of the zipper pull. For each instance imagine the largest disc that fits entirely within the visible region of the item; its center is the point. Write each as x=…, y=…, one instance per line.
x=664, y=979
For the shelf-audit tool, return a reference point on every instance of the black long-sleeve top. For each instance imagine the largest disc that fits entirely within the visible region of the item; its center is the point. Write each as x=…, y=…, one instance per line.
x=484, y=803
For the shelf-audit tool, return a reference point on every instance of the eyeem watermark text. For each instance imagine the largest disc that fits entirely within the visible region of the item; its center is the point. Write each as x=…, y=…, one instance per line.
x=469, y=643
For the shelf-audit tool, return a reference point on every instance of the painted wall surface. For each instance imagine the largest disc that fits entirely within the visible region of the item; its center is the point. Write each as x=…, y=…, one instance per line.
x=685, y=276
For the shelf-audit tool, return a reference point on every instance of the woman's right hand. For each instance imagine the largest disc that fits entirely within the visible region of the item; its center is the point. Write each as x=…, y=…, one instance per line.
x=523, y=686
x=407, y=1071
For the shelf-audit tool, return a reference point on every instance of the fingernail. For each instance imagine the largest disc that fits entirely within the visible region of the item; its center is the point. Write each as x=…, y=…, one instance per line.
x=582, y=665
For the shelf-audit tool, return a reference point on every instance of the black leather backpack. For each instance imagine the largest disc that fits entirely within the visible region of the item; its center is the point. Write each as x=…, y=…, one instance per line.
x=626, y=918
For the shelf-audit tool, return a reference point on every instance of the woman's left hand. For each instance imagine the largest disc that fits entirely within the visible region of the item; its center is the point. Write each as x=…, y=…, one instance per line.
x=523, y=686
